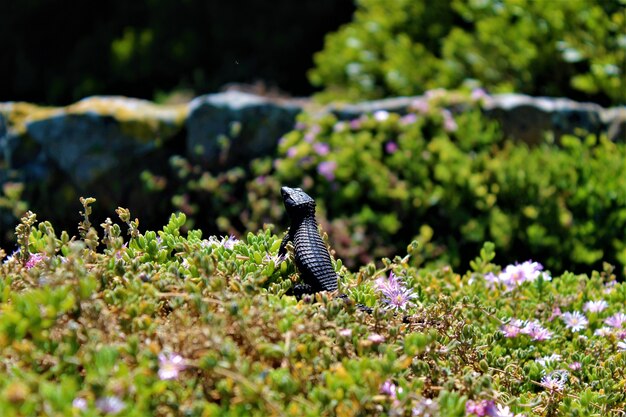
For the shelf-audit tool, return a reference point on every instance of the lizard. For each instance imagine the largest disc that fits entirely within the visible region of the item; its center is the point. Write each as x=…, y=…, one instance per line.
x=311, y=254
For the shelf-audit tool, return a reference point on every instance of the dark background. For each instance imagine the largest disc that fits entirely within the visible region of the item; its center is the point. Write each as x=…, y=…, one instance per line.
x=59, y=51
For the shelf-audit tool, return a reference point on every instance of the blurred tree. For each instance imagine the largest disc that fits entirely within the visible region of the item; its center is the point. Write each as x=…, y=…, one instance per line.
x=58, y=51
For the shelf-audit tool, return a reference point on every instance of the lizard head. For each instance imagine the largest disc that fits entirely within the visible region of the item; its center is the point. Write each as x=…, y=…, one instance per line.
x=296, y=200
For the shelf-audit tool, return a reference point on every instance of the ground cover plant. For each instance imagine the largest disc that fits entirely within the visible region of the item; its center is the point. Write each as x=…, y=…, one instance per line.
x=128, y=322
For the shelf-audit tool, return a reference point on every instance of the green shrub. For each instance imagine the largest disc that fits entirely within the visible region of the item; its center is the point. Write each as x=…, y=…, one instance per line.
x=446, y=178
x=453, y=181
x=404, y=47
x=148, y=323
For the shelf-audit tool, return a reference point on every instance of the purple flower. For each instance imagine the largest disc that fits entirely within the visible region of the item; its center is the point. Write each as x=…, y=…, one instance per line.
x=110, y=405
x=595, y=306
x=408, y=119
x=292, y=152
x=321, y=148
x=34, y=259
x=555, y=381
x=575, y=321
x=170, y=365
x=390, y=389
x=391, y=147
x=536, y=331
x=449, y=124
x=616, y=320
x=420, y=106
x=340, y=127
x=327, y=169
x=277, y=259
x=575, y=366
x=491, y=279
x=435, y=93
x=621, y=346
x=515, y=275
x=556, y=312
x=478, y=94
x=300, y=125
x=355, y=124
x=510, y=330
x=345, y=333
x=396, y=295
x=376, y=338
x=226, y=242
x=79, y=403
x=480, y=408
x=425, y=408
x=603, y=331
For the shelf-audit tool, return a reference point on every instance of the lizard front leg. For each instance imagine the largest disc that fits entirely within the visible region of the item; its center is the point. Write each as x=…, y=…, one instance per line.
x=282, y=251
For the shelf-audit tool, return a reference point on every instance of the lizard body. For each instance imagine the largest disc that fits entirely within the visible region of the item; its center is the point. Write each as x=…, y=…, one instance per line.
x=311, y=255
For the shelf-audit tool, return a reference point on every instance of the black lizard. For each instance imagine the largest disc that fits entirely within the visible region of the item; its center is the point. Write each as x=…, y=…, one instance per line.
x=311, y=254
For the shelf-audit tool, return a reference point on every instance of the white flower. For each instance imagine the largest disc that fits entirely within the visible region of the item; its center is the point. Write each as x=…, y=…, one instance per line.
x=575, y=321
x=170, y=365
x=595, y=306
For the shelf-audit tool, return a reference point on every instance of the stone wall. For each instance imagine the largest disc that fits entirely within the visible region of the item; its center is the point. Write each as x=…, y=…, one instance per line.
x=100, y=145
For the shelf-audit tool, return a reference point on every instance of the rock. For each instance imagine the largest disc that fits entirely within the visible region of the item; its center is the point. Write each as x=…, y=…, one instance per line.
x=615, y=120
x=97, y=135
x=233, y=127
x=528, y=118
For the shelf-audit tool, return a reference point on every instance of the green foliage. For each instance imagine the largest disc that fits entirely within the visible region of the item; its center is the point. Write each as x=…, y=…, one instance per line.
x=402, y=47
x=94, y=333
x=445, y=179
x=450, y=182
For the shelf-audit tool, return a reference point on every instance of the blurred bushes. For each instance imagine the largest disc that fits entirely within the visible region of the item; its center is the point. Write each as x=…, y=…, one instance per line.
x=575, y=49
x=448, y=179
x=58, y=52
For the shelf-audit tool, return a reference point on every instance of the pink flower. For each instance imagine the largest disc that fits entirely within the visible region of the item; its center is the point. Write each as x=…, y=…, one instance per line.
x=390, y=389
x=355, y=124
x=321, y=149
x=536, y=331
x=556, y=312
x=478, y=94
x=327, y=169
x=34, y=259
x=292, y=152
x=449, y=124
x=480, y=408
x=376, y=338
x=396, y=295
x=575, y=366
x=339, y=127
x=512, y=329
x=408, y=119
x=595, y=306
x=110, y=405
x=555, y=381
x=391, y=147
x=345, y=333
x=170, y=365
x=616, y=320
x=420, y=106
